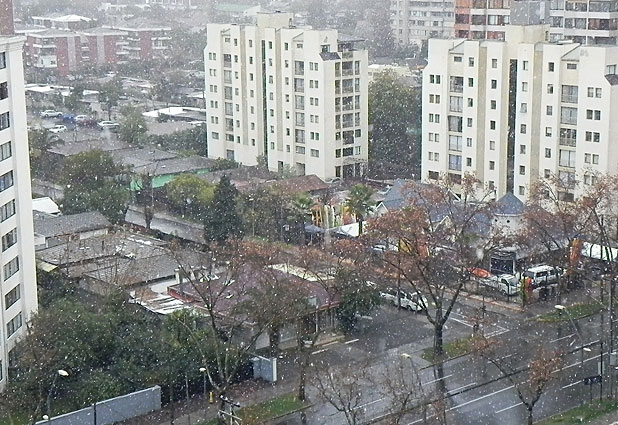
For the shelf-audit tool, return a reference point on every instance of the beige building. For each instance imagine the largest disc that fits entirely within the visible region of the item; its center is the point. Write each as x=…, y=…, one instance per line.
x=295, y=97
x=514, y=111
x=18, y=291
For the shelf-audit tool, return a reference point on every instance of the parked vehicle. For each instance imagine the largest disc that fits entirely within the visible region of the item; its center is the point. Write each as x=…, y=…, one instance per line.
x=50, y=113
x=507, y=284
x=543, y=275
x=410, y=301
x=60, y=128
x=84, y=120
x=110, y=125
x=197, y=123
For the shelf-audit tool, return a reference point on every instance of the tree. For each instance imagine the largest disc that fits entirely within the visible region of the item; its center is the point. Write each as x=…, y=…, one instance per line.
x=224, y=164
x=132, y=126
x=73, y=102
x=357, y=298
x=190, y=194
x=93, y=182
x=109, y=95
x=438, y=237
x=39, y=142
x=360, y=204
x=221, y=219
x=395, y=114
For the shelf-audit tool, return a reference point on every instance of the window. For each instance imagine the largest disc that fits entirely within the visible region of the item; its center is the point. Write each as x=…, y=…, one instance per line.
x=522, y=190
x=457, y=59
x=315, y=153
x=610, y=69
x=468, y=162
x=6, y=181
x=4, y=90
x=547, y=153
x=470, y=61
x=5, y=151
x=567, y=158
x=7, y=210
x=456, y=103
x=522, y=128
x=3, y=60
x=524, y=86
x=493, y=104
x=454, y=162
x=568, y=115
x=595, y=159
x=524, y=65
x=571, y=66
x=492, y=165
x=9, y=239
x=597, y=92
x=522, y=170
x=550, y=66
x=470, y=82
x=492, y=145
x=549, y=110
x=470, y=102
x=454, y=143
x=11, y=268
x=12, y=297
x=522, y=149
x=494, y=84
x=469, y=122
x=523, y=108
x=569, y=94
x=492, y=125
x=550, y=89
x=469, y=142
x=494, y=63
x=434, y=79
x=548, y=131
x=5, y=121
x=587, y=158
x=13, y=325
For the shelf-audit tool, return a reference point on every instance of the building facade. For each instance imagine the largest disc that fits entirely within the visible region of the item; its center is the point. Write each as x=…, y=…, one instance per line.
x=413, y=21
x=294, y=97
x=511, y=112
x=18, y=290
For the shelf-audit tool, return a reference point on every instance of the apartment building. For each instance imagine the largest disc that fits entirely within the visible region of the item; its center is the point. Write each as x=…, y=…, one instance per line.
x=58, y=51
x=18, y=291
x=511, y=112
x=294, y=97
x=413, y=21
x=586, y=22
x=144, y=41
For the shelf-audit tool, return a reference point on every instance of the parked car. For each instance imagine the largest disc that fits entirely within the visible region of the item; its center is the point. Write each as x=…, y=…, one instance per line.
x=50, y=113
x=543, y=275
x=507, y=284
x=109, y=125
x=60, y=128
x=84, y=120
x=197, y=123
x=411, y=301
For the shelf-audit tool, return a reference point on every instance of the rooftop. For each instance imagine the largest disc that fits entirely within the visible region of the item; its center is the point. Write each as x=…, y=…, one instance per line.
x=176, y=165
x=300, y=184
x=50, y=226
x=139, y=157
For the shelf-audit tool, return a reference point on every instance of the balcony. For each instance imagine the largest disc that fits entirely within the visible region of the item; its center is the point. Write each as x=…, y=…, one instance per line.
x=227, y=64
x=456, y=88
x=569, y=98
x=567, y=141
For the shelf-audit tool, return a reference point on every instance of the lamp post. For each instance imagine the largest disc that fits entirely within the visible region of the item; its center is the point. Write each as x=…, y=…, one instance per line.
x=561, y=309
x=203, y=370
x=59, y=372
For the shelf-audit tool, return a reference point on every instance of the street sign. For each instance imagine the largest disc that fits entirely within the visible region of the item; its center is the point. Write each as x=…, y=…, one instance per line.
x=596, y=379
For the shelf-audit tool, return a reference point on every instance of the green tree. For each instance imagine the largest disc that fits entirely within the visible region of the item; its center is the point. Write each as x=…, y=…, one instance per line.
x=132, y=126
x=73, y=102
x=109, y=95
x=40, y=141
x=395, y=114
x=92, y=181
x=190, y=194
x=221, y=219
x=360, y=204
x=357, y=298
x=224, y=164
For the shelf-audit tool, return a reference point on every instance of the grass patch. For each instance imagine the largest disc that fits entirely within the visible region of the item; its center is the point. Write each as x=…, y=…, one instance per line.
x=267, y=410
x=582, y=414
x=575, y=312
x=452, y=349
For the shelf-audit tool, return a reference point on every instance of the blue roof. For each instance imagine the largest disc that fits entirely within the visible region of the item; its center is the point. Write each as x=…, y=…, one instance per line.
x=509, y=204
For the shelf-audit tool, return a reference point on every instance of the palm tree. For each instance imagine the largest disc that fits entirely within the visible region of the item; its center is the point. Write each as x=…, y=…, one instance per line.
x=40, y=141
x=360, y=204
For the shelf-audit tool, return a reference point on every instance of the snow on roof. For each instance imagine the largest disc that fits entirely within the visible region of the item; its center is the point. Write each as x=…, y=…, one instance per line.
x=45, y=205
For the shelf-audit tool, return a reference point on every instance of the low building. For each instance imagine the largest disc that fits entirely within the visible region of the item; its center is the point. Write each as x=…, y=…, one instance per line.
x=55, y=230
x=55, y=50
x=103, y=45
x=144, y=41
x=64, y=22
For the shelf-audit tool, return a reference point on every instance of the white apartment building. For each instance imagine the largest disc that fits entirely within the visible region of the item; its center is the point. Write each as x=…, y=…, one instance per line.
x=296, y=97
x=18, y=290
x=510, y=112
x=413, y=21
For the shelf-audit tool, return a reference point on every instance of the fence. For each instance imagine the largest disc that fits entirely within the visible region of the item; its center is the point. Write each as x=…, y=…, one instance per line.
x=113, y=410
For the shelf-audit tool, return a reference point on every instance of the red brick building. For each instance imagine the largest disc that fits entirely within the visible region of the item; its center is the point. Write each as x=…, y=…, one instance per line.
x=103, y=45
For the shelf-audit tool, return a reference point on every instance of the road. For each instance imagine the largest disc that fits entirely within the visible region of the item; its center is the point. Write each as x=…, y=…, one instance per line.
x=478, y=395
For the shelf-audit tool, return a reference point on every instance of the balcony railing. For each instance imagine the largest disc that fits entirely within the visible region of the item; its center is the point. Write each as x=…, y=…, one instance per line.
x=457, y=88
x=567, y=141
x=569, y=98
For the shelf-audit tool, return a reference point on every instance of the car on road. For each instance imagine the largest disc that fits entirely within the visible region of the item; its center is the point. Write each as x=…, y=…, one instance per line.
x=50, y=113
x=84, y=120
x=109, y=125
x=58, y=129
x=543, y=275
x=411, y=301
x=507, y=284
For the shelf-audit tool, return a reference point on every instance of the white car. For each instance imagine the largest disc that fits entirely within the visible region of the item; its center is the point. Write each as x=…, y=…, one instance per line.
x=507, y=284
x=108, y=125
x=58, y=129
x=410, y=301
x=197, y=123
x=50, y=113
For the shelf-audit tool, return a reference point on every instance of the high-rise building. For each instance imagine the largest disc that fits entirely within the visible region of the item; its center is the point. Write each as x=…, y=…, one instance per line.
x=293, y=97
x=413, y=21
x=18, y=291
x=511, y=112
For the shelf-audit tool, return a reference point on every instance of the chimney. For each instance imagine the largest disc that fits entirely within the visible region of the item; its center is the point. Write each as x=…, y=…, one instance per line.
x=7, y=27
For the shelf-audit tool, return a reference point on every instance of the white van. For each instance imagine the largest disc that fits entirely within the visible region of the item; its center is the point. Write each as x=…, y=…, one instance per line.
x=410, y=301
x=543, y=275
x=505, y=283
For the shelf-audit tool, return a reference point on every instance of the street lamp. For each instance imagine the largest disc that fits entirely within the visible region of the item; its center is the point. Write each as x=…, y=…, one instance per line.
x=59, y=372
x=203, y=370
x=561, y=309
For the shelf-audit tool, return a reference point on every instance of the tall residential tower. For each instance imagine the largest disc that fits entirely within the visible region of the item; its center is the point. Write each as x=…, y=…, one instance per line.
x=18, y=291
x=293, y=97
